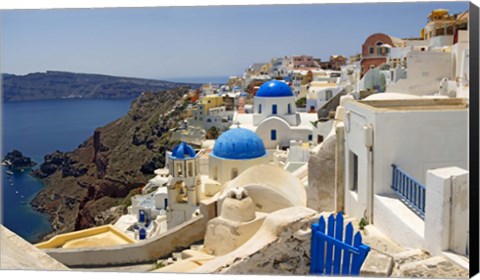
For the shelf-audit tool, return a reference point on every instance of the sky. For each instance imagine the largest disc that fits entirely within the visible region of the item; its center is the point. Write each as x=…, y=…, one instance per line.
x=179, y=42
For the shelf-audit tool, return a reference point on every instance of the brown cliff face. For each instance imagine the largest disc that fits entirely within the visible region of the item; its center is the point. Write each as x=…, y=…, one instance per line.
x=92, y=185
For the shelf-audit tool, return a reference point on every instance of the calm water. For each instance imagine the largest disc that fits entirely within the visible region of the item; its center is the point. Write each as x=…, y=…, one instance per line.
x=200, y=80
x=37, y=128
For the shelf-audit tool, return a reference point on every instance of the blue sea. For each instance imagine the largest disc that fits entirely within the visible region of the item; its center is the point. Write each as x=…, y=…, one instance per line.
x=37, y=128
x=201, y=80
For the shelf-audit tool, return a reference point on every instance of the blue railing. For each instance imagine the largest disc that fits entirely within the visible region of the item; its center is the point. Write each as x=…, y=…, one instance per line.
x=332, y=253
x=411, y=191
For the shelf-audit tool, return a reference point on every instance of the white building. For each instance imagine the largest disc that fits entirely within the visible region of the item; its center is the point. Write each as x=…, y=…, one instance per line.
x=217, y=117
x=425, y=70
x=275, y=118
x=319, y=94
x=416, y=135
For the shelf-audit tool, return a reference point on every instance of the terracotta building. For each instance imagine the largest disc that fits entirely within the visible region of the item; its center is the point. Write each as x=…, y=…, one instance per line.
x=375, y=50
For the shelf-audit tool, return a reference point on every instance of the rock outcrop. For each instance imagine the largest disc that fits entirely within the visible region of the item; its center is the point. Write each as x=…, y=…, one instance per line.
x=15, y=160
x=321, y=179
x=82, y=186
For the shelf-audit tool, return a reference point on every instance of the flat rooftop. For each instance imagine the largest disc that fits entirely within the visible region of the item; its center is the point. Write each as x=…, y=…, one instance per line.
x=427, y=104
x=101, y=236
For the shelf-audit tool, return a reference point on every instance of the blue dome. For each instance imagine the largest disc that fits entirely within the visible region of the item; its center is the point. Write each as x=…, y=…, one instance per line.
x=239, y=143
x=274, y=88
x=182, y=151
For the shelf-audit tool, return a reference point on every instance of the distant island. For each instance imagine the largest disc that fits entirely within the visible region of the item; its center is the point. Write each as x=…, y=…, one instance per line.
x=64, y=85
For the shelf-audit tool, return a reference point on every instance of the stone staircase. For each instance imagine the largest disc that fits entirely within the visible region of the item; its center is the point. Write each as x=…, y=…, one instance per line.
x=183, y=261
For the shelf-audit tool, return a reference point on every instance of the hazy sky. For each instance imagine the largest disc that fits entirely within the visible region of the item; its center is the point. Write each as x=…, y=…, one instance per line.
x=171, y=42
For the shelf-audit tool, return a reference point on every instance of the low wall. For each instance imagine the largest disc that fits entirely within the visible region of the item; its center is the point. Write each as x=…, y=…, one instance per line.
x=181, y=236
x=394, y=219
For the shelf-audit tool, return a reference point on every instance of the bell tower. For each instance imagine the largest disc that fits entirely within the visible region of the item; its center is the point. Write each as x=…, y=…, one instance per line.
x=182, y=184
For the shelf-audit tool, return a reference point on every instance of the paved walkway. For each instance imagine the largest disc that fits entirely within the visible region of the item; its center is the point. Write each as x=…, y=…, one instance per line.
x=433, y=267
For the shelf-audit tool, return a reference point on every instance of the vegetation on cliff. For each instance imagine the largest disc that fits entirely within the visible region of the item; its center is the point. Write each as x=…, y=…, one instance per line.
x=91, y=185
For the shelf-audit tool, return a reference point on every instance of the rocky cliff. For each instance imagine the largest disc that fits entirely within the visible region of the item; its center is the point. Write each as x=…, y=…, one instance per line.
x=57, y=85
x=92, y=185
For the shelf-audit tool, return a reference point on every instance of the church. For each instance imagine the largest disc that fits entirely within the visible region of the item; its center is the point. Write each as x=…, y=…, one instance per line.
x=234, y=151
x=275, y=117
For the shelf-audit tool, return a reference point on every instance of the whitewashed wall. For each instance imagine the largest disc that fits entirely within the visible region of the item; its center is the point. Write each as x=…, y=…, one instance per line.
x=413, y=140
x=425, y=70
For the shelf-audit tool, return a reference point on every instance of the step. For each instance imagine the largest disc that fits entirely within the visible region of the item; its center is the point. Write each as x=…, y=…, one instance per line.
x=398, y=222
x=433, y=267
x=380, y=242
x=457, y=259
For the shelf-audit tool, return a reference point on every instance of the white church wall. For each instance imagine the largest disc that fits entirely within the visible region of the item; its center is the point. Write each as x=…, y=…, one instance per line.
x=225, y=168
x=283, y=133
x=267, y=110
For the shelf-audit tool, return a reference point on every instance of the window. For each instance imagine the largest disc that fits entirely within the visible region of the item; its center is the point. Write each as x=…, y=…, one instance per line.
x=215, y=173
x=319, y=139
x=259, y=108
x=450, y=30
x=328, y=95
x=274, y=109
x=371, y=50
x=179, y=169
x=353, y=171
x=234, y=173
x=310, y=137
x=273, y=135
x=190, y=169
x=289, y=108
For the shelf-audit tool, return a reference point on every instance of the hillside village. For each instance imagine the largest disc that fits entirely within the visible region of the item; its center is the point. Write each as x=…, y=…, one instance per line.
x=379, y=136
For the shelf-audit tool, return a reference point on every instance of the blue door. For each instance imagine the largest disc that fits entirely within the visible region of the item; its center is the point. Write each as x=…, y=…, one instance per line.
x=273, y=135
x=142, y=233
x=274, y=109
x=141, y=216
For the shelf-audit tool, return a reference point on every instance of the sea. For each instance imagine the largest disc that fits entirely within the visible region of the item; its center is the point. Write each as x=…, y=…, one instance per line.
x=37, y=128
x=200, y=79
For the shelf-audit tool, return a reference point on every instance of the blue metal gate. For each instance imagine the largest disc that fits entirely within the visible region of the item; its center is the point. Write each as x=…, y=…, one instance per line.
x=412, y=192
x=332, y=253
